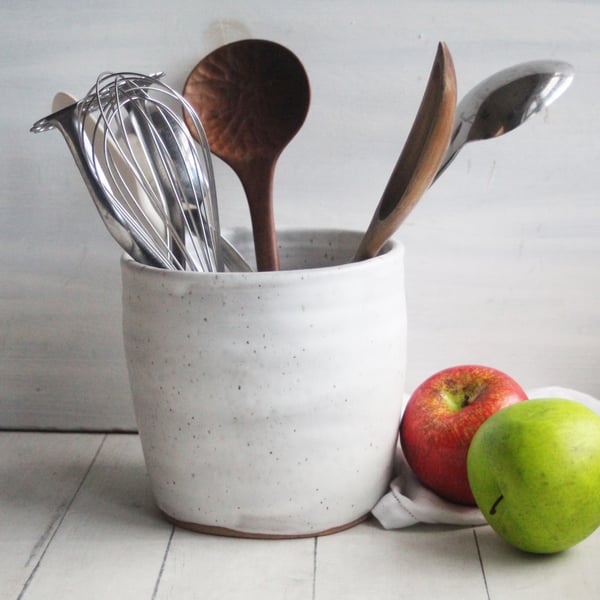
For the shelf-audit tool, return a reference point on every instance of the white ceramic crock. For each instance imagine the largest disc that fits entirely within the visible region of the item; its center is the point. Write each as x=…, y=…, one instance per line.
x=268, y=403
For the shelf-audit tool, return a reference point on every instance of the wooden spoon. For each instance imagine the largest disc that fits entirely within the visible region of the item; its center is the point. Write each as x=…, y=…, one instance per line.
x=420, y=158
x=252, y=97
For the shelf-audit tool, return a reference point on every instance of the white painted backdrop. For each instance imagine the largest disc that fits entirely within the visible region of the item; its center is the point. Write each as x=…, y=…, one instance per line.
x=503, y=254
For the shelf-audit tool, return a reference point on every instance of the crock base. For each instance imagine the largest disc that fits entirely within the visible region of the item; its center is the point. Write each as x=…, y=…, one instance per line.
x=224, y=531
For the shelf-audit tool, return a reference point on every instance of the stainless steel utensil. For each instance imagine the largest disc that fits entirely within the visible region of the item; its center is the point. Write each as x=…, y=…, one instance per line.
x=505, y=100
x=63, y=100
x=232, y=259
x=173, y=180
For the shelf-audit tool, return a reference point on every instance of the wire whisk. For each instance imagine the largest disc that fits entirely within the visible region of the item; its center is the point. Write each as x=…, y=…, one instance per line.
x=151, y=182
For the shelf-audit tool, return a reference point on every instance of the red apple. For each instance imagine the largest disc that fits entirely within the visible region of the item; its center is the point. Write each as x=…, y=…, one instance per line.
x=441, y=418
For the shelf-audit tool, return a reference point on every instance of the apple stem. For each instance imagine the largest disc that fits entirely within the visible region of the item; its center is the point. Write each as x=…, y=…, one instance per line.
x=493, y=509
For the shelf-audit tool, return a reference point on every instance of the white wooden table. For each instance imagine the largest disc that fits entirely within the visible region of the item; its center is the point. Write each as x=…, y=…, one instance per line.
x=77, y=521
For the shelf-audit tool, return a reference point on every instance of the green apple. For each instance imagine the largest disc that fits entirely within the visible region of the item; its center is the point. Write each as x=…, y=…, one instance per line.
x=534, y=469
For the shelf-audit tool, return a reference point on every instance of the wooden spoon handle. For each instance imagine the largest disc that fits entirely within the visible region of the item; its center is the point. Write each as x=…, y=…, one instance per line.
x=257, y=180
x=421, y=156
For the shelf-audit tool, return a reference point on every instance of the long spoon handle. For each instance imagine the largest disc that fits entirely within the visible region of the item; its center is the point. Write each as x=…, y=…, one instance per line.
x=257, y=180
x=420, y=158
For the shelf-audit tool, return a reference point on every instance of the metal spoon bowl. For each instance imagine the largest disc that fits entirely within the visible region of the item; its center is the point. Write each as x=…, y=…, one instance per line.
x=505, y=100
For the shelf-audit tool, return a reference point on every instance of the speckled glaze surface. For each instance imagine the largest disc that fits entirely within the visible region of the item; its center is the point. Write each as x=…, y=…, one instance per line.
x=268, y=403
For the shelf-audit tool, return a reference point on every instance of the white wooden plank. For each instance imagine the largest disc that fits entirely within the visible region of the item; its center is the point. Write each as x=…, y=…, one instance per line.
x=517, y=575
x=112, y=541
x=207, y=567
x=39, y=475
x=418, y=562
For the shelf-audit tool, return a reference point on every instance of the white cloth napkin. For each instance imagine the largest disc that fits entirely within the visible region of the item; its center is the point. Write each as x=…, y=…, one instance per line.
x=408, y=502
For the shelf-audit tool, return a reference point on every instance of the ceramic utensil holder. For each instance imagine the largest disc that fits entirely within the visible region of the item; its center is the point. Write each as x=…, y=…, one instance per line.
x=268, y=403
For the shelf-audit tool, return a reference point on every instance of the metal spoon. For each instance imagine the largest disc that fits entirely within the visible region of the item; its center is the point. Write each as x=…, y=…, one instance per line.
x=420, y=158
x=505, y=100
x=252, y=97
